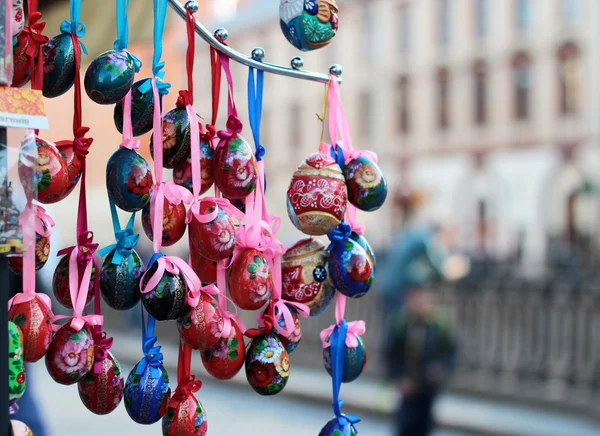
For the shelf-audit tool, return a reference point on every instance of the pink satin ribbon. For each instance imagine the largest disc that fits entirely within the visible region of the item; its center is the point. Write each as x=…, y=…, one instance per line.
x=228, y=317
x=352, y=220
x=176, y=266
x=128, y=141
x=193, y=295
x=223, y=203
x=354, y=328
x=28, y=221
x=195, y=152
x=43, y=223
x=24, y=297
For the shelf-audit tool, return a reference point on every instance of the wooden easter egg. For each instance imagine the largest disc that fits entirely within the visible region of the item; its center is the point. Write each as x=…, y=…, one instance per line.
x=335, y=428
x=109, y=77
x=214, y=240
x=317, y=197
x=71, y=355
x=74, y=168
x=291, y=341
x=18, y=17
x=167, y=299
x=305, y=278
x=33, y=319
x=42, y=251
x=19, y=428
x=16, y=365
x=182, y=173
x=225, y=358
x=59, y=65
x=351, y=269
x=187, y=419
x=173, y=222
x=355, y=360
x=204, y=268
x=60, y=282
x=102, y=393
x=267, y=364
x=21, y=61
x=367, y=188
x=48, y=176
x=201, y=326
x=146, y=397
x=142, y=108
x=176, y=136
x=362, y=241
x=128, y=180
x=120, y=284
x=236, y=170
x=250, y=280
x=308, y=25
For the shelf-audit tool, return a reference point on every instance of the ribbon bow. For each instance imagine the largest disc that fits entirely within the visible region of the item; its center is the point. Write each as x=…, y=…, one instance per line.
x=193, y=294
x=176, y=266
x=228, y=319
x=185, y=98
x=101, y=346
x=260, y=152
x=281, y=308
x=184, y=390
x=152, y=359
x=266, y=325
x=85, y=248
x=126, y=242
x=234, y=127
x=223, y=203
x=210, y=133
x=33, y=32
x=24, y=297
x=354, y=328
x=346, y=420
x=355, y=153
x=339, y=235
x=137, y=62
x=76, y=28
x=131, y=143
x=43, y=222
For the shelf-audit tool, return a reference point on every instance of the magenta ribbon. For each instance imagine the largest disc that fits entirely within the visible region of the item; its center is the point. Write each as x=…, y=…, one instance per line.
x=354, y=328
x=128, y=141
x=193, y=295
x=234, y=128
x=176, y=266
x=223, y=203
x=43, y=222
x=28, y=222
x=228, y=317
x=102, y=344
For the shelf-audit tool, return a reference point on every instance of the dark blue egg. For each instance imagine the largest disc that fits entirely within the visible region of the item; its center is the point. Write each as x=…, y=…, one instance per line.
x=334, y=428
x=351, y=269
x=142, y=109
x=120, y=284
x=59, y=65
x=176, y=135
x=367, y=188
x=109, y=77
x=167, y=299
x=146, y=398
x=128, y=180
x=355, y=360
x=362, y=241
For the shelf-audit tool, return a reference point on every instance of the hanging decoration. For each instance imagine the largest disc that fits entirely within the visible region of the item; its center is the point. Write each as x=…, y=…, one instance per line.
x=27, y=49
x=16, y=367
x=308, y=24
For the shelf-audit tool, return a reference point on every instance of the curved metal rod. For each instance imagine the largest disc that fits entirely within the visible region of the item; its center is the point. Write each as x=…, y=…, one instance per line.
x=248, y=61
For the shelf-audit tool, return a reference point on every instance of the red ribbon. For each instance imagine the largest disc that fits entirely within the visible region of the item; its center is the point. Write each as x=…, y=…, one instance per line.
x=186, y=383
x=234, y=127
x=267, y=322
x=185, y=98
x=102, y=344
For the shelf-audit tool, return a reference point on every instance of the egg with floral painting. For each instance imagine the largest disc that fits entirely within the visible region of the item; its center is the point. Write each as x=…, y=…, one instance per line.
x=351, y=269
x=362, y=241
x=71, y=355
x=142, y=108
x=60, y=282
x=214, y=240
x=308, y=24
x=176, y=135
x=18, y=17
x=109, y=77
x=146, y=395
x=59, y=65
x=236, y=170
x=186, y=419
x=16, y=366
x=204, y=268
x=128, y=180
x=290, y=341
x=120, y=283
x=33, y=318
x=42, y=251
x=201, y=326
x=74, y=165
x=226, y=357
x=317, y=196
x=355, y=360
x=334, y=428
x=267, y=364
x=21, y=61
x=367, y=188
x=173, y=222
x=250, y=280
x=166, y=300
x=102, y=393
x=182, y=174
x=19, y=428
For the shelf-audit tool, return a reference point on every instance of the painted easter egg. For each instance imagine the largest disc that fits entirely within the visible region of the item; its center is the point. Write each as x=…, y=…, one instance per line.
x=214, y=240
x=250, y=280
x=351, y=269
x=102, y=393
x=145, y=397
x=71, y=355
x=204, y=268
x=20, y=428
x=182, y=174
x=317, y=197
x=120, y=284
x=176, y=136
x=305, y=278
x=16, y=365
x=128, y=180
x=21, y=60
x=48, y=177
x=236, y=170
x=308, y=25
x=267, y=364
x=18, y=17
x=60, y=282
x=42, y=251
x=362, y=241
x=142, y=108
x=367, y=188
x=59, y=65
x=225, y=358
x=33, y=319
x=334, y=428
x=109, y=77
x=74, y=168
x=167, y=299
x=201, y=326
x=173, y=222
x=187, y=419
x=240, y=204
x=291, y=341
x=355, y=360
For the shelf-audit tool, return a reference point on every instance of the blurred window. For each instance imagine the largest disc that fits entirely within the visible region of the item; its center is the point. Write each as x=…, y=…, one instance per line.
x=569, y=78
x=404, y=105
x=523, y=14
x=570, y=11
x=481, y=18
x=480, y=92
x=405, y=29
x=443, y=98
x=522, y=85
x=443, y=22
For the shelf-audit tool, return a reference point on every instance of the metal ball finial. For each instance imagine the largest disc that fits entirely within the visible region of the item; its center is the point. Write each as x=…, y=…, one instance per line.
x=336, y=70
x=221, y=34
x=192, y=6
x=258, y=53
x=297, y=63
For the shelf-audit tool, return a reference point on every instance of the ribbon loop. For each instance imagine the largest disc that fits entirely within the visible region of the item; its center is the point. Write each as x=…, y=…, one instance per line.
x=339, y=235
x=185, y=98
x=76, y=28
x=354, y=328
x=234, y=127
x=102, y=344
x=152, y=358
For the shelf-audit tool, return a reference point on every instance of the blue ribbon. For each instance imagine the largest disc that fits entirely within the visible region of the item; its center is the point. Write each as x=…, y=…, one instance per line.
x=255, y=105
x=337, y=153
x=122, y=41
x=152, y=356
x=160, y=13
x=75, y=27
x=126, y=239
x=339, y=235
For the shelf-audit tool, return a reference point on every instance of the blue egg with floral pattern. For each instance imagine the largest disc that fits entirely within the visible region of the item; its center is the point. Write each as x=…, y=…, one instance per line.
x=334, y=428
x=120, y=284
x=59, y=65
x=367, y=188
x=352, y=270
x=146, y=397
x=355, y=360
x=142, y=109
x=109, y=77
x=128, y=180
x=362, y=241
x=308, y=24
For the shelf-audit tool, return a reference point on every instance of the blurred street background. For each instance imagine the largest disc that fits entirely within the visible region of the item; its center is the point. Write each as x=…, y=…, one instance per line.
x=486, y=118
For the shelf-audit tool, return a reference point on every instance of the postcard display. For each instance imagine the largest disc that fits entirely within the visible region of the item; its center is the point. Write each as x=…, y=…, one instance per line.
x=218, y=195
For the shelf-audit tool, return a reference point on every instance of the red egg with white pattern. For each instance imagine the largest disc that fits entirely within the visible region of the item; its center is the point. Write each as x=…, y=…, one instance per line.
x=225, y=359
x=214, y=240
x=201, y=326
x=102, y=393
x=204, y=268
x=236, y=169
x=173, y=222
x=250, y=280
x=71, y=355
